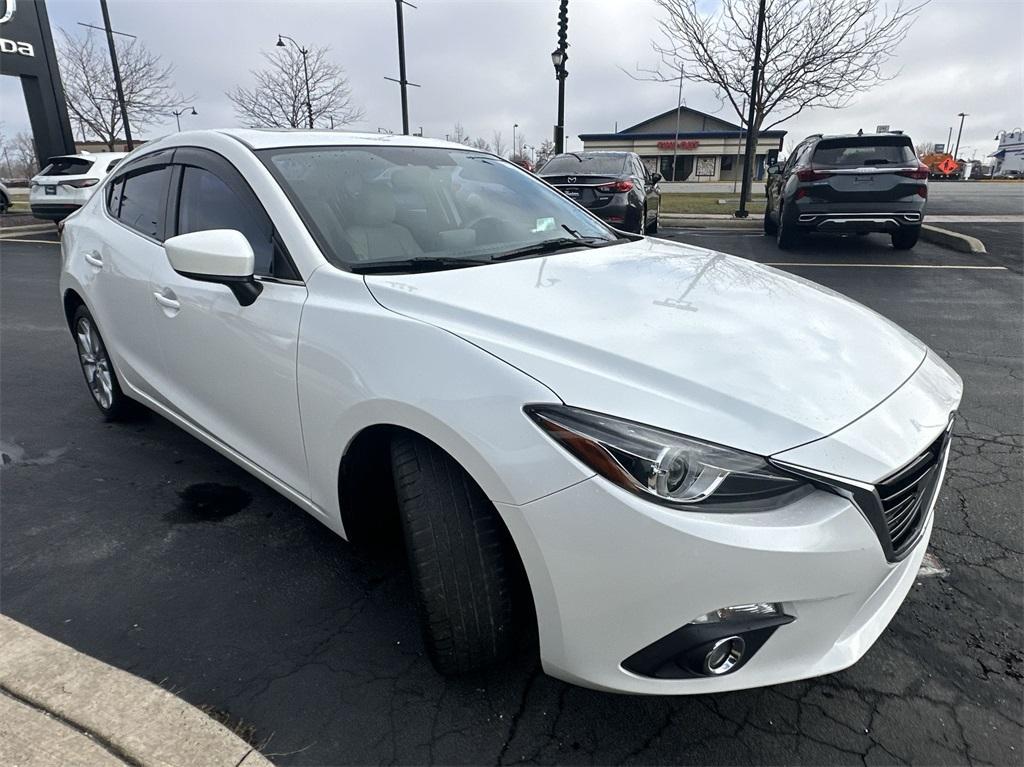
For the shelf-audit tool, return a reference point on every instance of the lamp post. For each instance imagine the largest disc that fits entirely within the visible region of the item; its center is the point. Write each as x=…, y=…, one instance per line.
x=179, y=112
x=305, y=71
x=514, y=126
x=750, y=151
x=959, y=133
x=558, y=58
x=118, y=87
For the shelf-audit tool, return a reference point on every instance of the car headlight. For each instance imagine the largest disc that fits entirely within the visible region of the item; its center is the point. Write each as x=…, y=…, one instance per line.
x=669, y=468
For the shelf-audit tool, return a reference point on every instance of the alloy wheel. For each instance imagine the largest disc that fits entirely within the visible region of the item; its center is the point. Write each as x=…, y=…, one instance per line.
x=95, y=362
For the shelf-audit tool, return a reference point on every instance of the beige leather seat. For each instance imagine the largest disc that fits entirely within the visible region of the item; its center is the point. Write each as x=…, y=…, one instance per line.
x=377, y=236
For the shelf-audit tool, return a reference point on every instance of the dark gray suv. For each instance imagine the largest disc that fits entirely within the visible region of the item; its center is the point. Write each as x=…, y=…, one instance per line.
x=858, y=183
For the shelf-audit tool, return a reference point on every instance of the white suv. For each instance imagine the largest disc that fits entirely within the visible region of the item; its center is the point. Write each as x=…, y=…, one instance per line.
x=394, y=330
x=67, y=183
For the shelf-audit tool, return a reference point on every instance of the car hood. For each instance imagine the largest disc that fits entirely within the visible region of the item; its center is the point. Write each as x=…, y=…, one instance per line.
x=682, y=338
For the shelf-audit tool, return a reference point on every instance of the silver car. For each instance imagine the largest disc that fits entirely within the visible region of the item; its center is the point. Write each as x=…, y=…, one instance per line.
x=848, y=184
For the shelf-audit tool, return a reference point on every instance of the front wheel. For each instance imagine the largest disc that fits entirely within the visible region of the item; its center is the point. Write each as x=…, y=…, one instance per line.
x=905, y=238
x=463, y=564
x=97, y=368
x=770, y=227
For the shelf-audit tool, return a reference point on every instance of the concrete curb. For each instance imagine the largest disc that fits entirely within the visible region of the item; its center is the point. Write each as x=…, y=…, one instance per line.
x=66, y=708
x=709, y=220
x=953, y=240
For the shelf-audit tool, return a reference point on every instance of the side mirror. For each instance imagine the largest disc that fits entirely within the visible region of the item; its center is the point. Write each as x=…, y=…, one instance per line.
x=223, y=256
x=655, y=178
x=774, y=169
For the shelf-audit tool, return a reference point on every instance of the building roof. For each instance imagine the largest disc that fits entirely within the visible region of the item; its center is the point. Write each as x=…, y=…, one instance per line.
x=672, y=134
x=654, y=128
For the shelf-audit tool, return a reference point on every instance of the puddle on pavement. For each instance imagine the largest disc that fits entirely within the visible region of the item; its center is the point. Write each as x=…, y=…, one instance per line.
x=208, y=502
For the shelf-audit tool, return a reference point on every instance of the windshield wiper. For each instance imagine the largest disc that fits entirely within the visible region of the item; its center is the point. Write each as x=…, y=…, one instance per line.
x=417, y=264
x=550, y=246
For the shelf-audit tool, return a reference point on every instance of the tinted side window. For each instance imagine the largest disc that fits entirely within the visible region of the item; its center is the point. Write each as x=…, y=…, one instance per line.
x=207, y=202
x=142, y=200
x=114, y=191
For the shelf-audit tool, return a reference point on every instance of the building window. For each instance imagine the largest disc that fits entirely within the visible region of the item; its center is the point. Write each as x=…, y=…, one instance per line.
x=727, y=160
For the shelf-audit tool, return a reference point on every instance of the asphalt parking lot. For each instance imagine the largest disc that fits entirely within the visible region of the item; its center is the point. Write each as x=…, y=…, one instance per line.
x=140, y=546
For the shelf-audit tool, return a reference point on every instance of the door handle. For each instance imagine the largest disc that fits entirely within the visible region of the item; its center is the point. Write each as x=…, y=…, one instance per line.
x=94, y=258
x=166, y=301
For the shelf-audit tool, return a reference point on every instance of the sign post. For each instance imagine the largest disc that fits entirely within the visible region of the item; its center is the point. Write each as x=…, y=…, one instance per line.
x=27, y=52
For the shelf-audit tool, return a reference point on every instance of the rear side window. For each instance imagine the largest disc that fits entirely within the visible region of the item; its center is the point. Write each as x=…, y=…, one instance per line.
x=67, y=166
x=586, y=164
x=207, y=202
x=858, y=152
x=142, y=200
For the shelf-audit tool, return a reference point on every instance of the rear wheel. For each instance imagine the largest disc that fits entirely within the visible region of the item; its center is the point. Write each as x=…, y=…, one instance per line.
x=642, y=224
x=5, y=203
x=905, y=238
x=463, y=565
x=770, y=227
x=653, y=228
x=786, y=235
x=97, y=367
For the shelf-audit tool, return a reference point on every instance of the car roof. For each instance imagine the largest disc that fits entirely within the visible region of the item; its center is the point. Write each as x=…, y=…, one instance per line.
x=280, y=138
x=866, y=136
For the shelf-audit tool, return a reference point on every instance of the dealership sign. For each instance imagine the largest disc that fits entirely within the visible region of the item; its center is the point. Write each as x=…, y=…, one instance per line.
x=13, y=46
x=690, y=144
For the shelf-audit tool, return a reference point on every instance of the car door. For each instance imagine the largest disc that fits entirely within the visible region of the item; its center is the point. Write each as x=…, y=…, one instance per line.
x=120, y=252
x=228, y=368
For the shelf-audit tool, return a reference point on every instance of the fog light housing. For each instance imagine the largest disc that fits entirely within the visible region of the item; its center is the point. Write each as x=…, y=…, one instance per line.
x=741, y=612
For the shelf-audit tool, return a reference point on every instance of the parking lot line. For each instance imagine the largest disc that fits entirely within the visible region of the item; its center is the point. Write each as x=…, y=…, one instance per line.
x=888, y=266
x=36, y=242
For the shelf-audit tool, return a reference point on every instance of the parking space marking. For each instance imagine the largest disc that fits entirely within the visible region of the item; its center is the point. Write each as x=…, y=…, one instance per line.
x=34, y=242
x=889, y=266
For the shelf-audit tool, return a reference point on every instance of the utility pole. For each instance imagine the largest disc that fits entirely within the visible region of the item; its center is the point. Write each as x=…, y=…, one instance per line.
x=305, y=72
x=558, y=58
x=402, y=81
x=959, y=133
x=679, y=108
x=949, y=139
x=118, y=88
x=739, y=143
x=748, y=155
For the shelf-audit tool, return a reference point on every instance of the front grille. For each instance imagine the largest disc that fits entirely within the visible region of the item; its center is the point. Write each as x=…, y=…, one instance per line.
x=906, y=495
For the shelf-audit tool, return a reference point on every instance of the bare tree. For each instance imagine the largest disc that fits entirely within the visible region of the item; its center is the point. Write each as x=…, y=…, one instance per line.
x=149, y=91
x=459, y=135
x=545, y=152
x=498, y=144
x=815, y=53
x=278, y=100
x=19, y=156
x=481, y=144
x=925, y=147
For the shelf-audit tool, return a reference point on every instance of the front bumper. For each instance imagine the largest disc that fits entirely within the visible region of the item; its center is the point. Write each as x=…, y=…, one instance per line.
x=612, y=574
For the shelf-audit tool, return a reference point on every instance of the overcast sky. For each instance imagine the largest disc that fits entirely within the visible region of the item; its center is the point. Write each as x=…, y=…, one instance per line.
x=487, y=64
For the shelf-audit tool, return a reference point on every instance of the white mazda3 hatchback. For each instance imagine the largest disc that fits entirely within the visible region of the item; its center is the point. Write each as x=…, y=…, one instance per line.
x=697, y=472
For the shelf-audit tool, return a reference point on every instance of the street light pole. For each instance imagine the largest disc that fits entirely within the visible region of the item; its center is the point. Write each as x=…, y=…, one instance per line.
x=118, y=87
x=749, y=154
x=679, y=108
x=959, y=133
x=514, y=126
x=305, y=72
x=179, y=112
x=558, y=57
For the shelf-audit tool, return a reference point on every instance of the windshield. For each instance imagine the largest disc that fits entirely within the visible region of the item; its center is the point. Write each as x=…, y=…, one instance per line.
x=861, y=152
x=587, y=164
x=377, y=204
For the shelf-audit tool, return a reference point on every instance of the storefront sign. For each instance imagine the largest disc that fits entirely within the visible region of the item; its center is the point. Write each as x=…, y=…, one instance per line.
x=689, y=144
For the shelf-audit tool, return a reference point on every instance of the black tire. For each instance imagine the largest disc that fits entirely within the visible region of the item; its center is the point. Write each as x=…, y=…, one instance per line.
x=906, y=237
x=97, y=369
x=770, y=227
x=786, y=235
x=641, y=226
x=463, y=566
x=653, y=228
x=5, y=203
